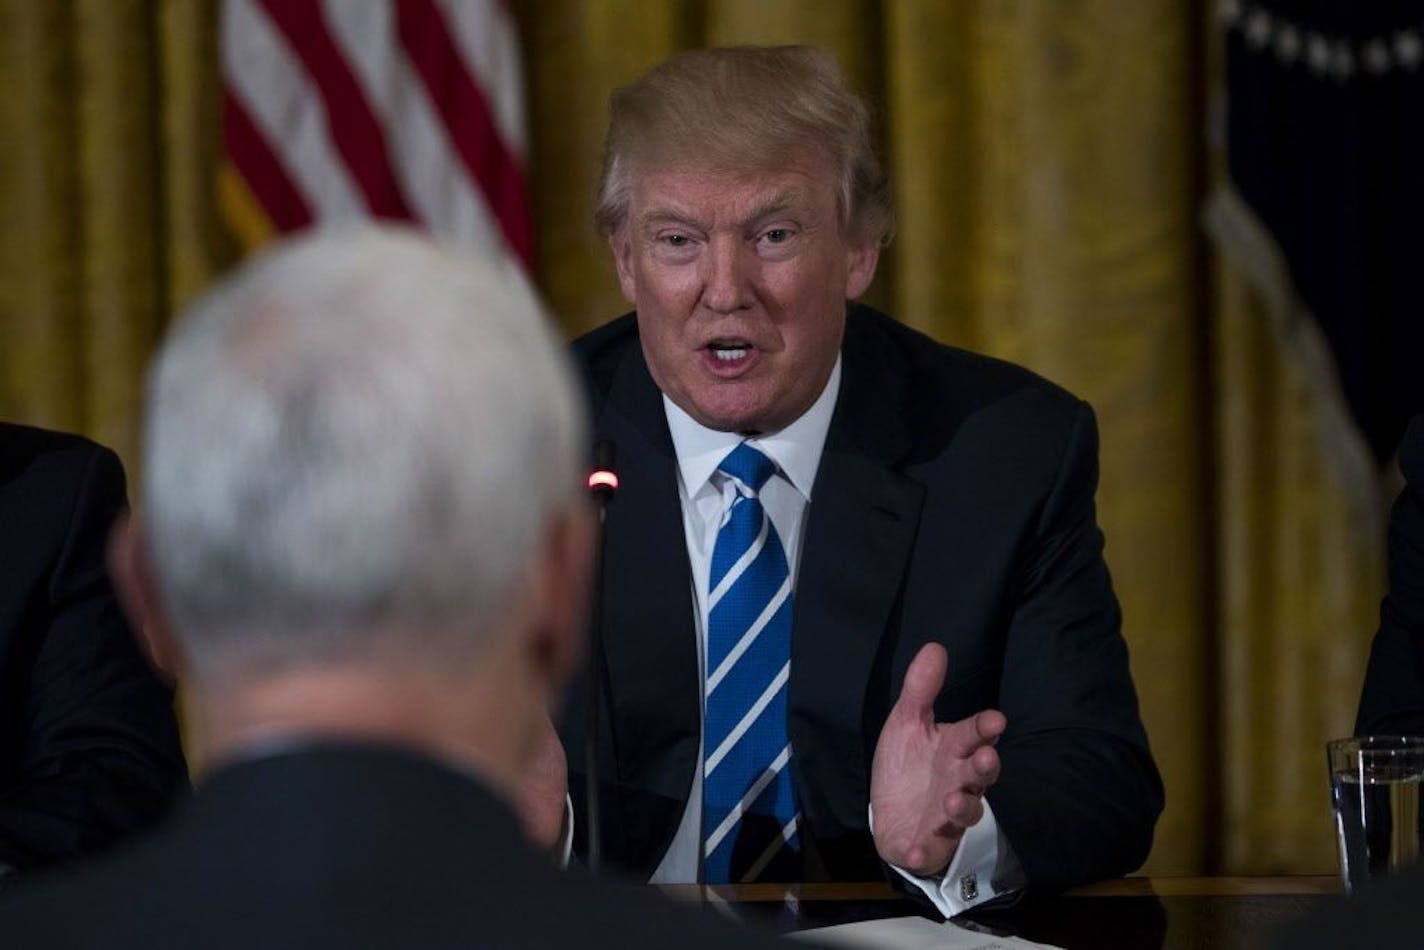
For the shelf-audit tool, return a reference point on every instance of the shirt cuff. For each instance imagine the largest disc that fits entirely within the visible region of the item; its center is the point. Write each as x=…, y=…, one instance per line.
x=983, y=868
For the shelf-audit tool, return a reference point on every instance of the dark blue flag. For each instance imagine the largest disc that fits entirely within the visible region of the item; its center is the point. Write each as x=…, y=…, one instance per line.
x=1325, y=144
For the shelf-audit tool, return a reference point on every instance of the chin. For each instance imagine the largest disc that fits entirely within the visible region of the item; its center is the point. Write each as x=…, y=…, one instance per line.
x=733, y=408
x=724, y=420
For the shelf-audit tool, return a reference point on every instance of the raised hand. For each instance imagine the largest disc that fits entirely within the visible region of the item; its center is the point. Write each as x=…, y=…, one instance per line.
x=928, y=779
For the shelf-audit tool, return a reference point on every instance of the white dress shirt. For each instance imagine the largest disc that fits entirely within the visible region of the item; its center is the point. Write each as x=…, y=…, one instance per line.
x=984, y=866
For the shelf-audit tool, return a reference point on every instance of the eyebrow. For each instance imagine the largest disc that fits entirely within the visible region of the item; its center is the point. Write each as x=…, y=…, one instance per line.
x=776, y=204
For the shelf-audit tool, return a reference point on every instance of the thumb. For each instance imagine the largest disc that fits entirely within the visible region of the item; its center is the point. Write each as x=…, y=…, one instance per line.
x=923, y=681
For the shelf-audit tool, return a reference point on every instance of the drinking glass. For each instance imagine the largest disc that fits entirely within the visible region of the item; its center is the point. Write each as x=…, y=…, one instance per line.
x=1374, y=793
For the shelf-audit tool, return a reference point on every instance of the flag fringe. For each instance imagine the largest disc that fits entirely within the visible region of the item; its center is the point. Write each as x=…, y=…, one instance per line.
x=1243, y=239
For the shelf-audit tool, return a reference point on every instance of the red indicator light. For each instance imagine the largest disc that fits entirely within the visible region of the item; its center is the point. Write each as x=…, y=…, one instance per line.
x=603, y=479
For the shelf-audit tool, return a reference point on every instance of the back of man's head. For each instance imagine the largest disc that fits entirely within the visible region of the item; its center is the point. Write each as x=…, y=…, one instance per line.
x=355, y=448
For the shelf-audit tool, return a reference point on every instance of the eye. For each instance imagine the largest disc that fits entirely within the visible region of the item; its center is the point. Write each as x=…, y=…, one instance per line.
x=674, y=246
x=777, y=236
x=674, y=241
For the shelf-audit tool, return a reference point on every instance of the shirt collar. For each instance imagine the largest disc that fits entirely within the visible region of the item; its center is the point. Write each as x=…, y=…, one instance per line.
x=796, y=449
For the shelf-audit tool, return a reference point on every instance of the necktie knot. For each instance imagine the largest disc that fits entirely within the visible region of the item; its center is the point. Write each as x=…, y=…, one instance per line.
x=748, y=466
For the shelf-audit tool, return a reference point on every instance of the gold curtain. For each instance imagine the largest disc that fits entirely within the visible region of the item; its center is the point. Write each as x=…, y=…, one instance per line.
x=1300, y=570
x=1050, y=166
x=108, y=122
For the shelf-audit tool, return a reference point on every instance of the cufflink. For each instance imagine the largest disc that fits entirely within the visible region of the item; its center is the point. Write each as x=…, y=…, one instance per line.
x=969, y=887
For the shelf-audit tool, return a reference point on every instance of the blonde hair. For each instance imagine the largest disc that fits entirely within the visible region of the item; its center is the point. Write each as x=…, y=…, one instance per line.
x=746, y=108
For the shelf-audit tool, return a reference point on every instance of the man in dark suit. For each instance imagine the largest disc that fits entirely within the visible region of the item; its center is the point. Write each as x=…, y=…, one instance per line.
x=1392, y=703
x=364, y=546
x=954, y=675
x=89, y=747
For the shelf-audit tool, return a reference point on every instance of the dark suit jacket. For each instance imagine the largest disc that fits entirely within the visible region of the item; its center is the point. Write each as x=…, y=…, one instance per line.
x=954, y=502
x=343, y=846
x=1392, y=702
x=88, y=742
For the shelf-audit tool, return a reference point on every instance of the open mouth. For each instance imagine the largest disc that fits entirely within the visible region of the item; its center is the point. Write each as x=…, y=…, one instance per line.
x=729, y=351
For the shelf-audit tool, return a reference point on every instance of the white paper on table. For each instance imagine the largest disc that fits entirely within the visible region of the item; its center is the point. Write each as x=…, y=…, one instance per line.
x=910, y=933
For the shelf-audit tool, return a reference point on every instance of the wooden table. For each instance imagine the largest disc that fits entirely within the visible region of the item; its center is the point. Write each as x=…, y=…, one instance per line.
x=1131, y=913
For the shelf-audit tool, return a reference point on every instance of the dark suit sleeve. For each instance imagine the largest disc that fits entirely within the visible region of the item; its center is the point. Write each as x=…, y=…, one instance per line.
x=1392, y=702
x=1078, y=793
x=100, y=754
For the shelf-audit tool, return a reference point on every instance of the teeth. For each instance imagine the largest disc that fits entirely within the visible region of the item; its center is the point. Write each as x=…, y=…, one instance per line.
x=729, y=354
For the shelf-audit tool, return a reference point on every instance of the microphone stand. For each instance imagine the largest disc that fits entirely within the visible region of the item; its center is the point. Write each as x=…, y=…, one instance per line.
x=602, y=484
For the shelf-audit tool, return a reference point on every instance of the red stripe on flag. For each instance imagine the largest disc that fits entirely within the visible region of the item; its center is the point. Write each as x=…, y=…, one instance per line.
x=467, y=117
x=261, y=168
x=353, y=125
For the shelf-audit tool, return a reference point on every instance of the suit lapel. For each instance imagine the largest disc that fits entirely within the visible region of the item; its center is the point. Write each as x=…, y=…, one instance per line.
x=860, y=528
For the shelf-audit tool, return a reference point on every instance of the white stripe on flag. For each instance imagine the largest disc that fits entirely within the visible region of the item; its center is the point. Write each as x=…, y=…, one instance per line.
x=759, y=786
x=265, y=75
x=488, y=40
x=762, y=702
x=749, y=637
x=430, y=173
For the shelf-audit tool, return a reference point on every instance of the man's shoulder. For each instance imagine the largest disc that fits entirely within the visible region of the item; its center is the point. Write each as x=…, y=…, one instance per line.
x=602, y=350
x=936, y=362
x=942, y=390
x=45, y=477
x=163, y=893
x=22, y=446
x=611, y=338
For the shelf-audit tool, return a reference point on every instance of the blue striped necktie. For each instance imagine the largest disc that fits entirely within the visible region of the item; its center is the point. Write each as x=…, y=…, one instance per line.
x=749, y=815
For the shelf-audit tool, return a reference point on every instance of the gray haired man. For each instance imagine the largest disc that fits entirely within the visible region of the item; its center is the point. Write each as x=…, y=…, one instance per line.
x=364, y=550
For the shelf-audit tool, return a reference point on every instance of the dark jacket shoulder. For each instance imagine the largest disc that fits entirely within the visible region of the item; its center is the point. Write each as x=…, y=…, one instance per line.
x=917, y=397
x=602, y=350
x=47, y=481
x=937, y=366
x=24, y=447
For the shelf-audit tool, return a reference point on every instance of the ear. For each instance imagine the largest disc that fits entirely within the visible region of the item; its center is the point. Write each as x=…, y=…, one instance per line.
x=562, y=589
x=622, y=247
x=860, y=269
x=132, y=572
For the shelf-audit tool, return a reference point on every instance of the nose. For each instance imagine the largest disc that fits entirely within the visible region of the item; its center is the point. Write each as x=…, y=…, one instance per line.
x=727, y=279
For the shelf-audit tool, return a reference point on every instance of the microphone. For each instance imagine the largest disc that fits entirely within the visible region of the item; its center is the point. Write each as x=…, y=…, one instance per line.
x=603, y=480
x=602, y=485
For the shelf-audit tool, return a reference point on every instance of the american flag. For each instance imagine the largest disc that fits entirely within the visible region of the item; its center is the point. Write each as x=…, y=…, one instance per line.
x=407, y=110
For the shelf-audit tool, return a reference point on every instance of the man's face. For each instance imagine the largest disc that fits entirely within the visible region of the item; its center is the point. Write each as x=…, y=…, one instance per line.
x=740, y=282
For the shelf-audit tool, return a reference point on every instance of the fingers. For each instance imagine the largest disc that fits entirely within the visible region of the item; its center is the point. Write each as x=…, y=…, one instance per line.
x=965, y=805
x=985, y=764
x=963, y=809
x=990, y=724
x=978, y=771
x=974, y=732
x=923, y=681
